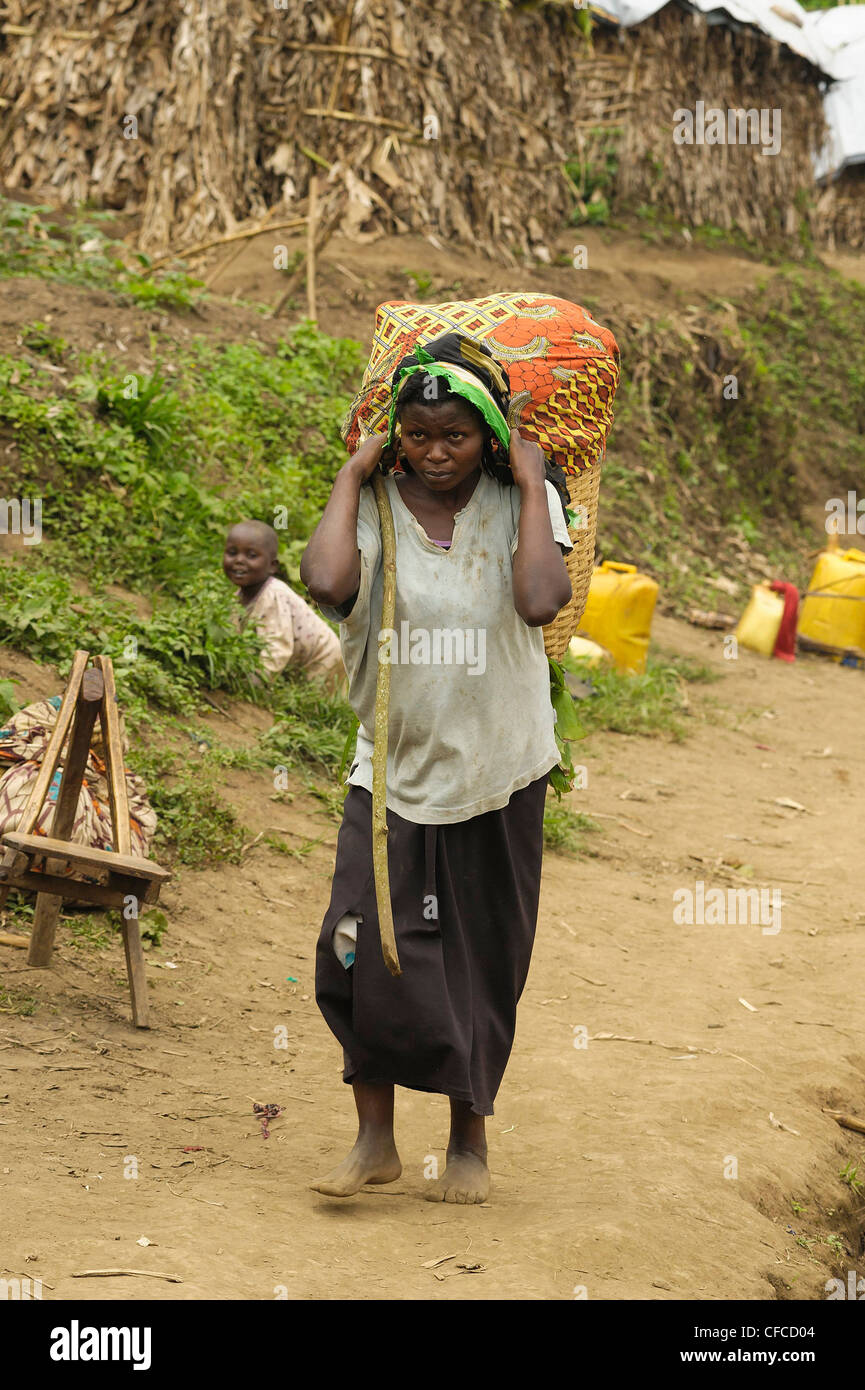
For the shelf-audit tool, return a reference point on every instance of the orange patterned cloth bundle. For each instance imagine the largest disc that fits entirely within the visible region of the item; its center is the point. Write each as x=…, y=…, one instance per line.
x=563, y=368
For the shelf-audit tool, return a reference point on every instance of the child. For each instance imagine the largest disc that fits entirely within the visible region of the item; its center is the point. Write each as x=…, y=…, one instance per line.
x=293, y=634
x=479, y=538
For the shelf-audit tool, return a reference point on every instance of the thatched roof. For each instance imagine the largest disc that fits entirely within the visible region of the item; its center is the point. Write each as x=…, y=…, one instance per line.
x=449, y=120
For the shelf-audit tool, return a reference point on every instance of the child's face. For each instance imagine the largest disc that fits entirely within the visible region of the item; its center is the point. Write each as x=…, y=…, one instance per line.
x=247, y=560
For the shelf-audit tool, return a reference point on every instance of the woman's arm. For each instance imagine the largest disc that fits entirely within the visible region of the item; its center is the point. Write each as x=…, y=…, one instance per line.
x=540, y=578
x=330, y=567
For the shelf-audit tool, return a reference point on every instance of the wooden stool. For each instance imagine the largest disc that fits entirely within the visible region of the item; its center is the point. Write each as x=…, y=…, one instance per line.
x=131, y=880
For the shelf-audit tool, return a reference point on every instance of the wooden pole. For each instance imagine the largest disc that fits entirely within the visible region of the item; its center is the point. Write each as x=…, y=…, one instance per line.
x=47, y=905
x=130, y=928
x=135, y=967
x=65, y=716
x=379, y=754
x=185, y=252
x=312, y=220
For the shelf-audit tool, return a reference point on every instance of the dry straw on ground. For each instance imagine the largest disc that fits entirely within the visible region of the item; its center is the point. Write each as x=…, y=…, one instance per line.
x=448, y=120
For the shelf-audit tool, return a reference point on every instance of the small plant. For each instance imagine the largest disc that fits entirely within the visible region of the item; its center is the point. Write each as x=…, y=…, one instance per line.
x=311, y=726
x=593, y=176
x=564, y=829
x=421, y=281
x=649, y=703
x=38, y=339
x=15, y=1001
x=151, y=412
x=152, y=924
x=850, y=1175
x=171, y=290
x=92, y=932
x=567, y=729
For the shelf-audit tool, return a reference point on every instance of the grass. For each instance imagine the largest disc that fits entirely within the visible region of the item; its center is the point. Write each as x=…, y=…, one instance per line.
x=695, y=484
x=35, y=240
x=565, y=830
x=15, y=1001
x=196, y=827
x=646, y=705
x=148, y=472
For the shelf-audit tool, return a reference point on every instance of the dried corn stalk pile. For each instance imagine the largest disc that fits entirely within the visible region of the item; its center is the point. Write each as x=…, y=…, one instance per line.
x=678, y=59
x=201, y=115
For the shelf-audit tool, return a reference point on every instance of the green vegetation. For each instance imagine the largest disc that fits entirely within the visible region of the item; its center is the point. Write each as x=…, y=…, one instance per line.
x=592, y=176
x=140, y=475
x=422, y=283
x=651, y=703
x=850, y=1175
x=719, y=437
x=96, y=931
x=564, y=829
x=15, y=1001
x=150, y=475
x=35, y=240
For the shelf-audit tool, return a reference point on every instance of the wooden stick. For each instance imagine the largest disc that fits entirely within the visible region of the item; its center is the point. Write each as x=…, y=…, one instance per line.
x=135, y=968
x=326, y=230
x=311, y=223
x=847, y=1121
x=57, y=885
x=114, y=769
x=48, y=905
x=116, y=773
x=336, y=85
x=65, y=716
x=19, y=31
x=343, y=48
x=186, y=252
x=379, y=753
x=113, y=1274
x=213, y=275
x=7, y=939
x=362, y=120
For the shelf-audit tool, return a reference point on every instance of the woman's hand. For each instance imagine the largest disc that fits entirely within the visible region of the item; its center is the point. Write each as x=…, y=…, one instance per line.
x=527, y=461
x=365, y=460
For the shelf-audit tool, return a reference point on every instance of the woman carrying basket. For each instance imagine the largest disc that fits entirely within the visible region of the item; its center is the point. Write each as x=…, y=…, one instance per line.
x=480, y=530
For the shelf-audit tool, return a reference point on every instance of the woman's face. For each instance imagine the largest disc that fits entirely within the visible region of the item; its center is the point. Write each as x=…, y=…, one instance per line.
x=443, y=442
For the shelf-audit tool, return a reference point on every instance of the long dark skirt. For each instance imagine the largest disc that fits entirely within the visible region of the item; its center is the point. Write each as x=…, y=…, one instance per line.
x=465, y=902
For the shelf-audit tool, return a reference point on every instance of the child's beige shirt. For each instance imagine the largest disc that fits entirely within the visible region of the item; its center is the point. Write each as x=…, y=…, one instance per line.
x=292, y=633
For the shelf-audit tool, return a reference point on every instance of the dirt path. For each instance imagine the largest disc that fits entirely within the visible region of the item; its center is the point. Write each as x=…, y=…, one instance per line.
x=608, y=1161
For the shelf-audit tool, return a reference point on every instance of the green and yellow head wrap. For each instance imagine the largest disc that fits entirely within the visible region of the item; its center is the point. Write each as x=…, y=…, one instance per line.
x=469, y=370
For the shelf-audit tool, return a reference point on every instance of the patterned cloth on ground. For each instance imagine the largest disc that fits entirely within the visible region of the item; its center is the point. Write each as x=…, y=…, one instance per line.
x=23, y=743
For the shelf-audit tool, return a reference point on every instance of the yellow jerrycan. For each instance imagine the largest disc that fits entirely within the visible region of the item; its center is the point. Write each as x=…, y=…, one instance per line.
x=836, y=616
x=618, y=614
x=761, y=621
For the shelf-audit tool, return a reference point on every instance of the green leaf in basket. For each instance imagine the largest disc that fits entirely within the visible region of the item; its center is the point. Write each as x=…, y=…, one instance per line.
x=567, y=723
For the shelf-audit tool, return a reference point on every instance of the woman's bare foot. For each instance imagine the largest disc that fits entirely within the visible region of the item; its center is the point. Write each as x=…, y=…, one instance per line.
x=466, y=1179
x=374, y=1157
x=371, y=1160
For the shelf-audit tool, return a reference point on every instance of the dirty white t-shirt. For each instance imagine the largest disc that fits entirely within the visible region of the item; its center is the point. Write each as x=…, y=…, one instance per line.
x=470, y=714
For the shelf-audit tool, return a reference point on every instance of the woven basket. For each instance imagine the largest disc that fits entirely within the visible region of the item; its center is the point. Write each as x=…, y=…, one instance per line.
x=583, y=488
